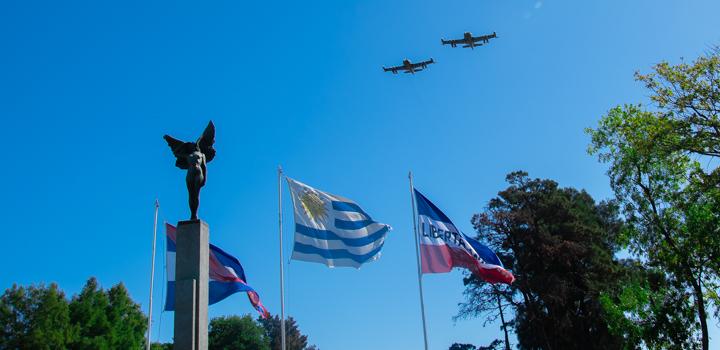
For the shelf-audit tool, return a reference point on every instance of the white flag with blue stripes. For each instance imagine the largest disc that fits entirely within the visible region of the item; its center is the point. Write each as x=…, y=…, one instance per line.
x=333, y=230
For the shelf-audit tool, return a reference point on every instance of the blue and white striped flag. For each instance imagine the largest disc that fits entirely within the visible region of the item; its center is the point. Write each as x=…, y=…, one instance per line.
x=333, y=230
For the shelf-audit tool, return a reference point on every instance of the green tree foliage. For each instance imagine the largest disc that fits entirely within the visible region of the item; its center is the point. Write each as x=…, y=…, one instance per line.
x=161, y=346
x=294, y=340
x=88, y=310
x=107, y=319
x=39, y=317
x=688, y=101
x=648, y=309
x=671, y=202
x=560, y=245
x=494, y=345
x=237, y=333
x=36, y=317
x=128, y=323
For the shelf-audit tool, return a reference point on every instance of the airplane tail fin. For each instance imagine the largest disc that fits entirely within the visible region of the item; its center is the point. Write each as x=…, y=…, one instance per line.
x=448, y=42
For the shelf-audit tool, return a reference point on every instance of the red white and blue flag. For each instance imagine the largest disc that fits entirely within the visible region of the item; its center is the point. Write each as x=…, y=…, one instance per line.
x=226, y=276
x=443, y=246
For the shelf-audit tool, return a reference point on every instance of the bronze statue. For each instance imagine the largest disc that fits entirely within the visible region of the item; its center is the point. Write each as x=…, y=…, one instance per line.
x=194, y=156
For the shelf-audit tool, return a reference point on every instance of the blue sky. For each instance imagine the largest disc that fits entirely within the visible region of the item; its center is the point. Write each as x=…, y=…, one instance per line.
x=87, y=89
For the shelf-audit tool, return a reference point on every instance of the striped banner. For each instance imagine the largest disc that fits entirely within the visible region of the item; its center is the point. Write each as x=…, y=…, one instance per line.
x=333, y=230
x=226, y=276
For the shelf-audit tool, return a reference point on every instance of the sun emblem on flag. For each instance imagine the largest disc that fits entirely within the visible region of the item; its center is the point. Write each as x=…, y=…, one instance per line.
x=313, y=205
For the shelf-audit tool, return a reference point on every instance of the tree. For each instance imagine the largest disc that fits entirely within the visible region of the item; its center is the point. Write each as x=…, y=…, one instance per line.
x=487, y=300
x=237, y=333
x=560, y=245
x=670, y=201
x=88, y=312
x=294, y=340
x=39, y=317
x=161, y=346
x=128, y=323
x=106, y=320
x=492, y=346
x=648, y=308
x=688, y=104
x=495, y=344
x=36, y=317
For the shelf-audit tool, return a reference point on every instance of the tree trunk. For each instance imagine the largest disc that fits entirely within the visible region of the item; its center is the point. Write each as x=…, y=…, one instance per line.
x=504, y=326
x=700, y=301
x=696, y=283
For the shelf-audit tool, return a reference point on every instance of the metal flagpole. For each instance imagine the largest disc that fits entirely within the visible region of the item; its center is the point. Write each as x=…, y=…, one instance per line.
x=282, y=272
x=417, y=254
x=152, y=273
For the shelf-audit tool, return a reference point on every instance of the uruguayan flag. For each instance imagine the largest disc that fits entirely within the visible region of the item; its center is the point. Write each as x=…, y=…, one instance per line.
x=333, y=230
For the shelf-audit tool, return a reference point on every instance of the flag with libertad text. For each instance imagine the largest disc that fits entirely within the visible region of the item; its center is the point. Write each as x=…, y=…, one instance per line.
x=333, y=230
x=443, y=246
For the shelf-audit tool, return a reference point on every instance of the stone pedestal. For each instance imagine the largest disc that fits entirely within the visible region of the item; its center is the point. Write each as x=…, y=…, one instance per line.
x=191, y=285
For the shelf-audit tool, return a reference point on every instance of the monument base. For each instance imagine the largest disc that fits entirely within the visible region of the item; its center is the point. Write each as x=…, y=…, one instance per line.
x=191, y=285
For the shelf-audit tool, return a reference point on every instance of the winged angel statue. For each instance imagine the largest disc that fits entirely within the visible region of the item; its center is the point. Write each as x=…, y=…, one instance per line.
x=193, y=157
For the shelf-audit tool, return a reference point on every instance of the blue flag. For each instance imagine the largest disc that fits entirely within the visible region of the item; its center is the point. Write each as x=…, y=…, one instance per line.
x=226, y=276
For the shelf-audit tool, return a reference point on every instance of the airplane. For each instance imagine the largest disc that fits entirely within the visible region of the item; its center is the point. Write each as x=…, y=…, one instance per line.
x=470, y=41
x=409, y=67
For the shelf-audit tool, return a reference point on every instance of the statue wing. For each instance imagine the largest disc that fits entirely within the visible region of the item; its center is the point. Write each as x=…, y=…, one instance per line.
x=206, y=142
x=180, y=150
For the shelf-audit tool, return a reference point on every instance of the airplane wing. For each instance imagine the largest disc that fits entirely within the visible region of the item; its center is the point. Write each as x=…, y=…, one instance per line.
x=481, y=38
x=484, y=38
x=452, y=42
x=423, y=63
x=394, y=70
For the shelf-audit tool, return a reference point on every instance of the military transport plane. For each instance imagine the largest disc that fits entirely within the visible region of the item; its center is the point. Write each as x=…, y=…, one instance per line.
x=470, y=41
x=409, y=67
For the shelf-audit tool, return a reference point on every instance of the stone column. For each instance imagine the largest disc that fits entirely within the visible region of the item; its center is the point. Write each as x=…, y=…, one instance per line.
x=191, y=285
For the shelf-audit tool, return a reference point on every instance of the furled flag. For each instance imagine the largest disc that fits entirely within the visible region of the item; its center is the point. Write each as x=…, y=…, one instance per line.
x=333, y=230
x=443, y=246
x=226, y=276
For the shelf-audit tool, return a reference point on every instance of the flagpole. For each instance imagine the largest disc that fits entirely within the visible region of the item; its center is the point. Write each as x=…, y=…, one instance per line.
x=417, y=254
x=282, y=271
x=152, y=273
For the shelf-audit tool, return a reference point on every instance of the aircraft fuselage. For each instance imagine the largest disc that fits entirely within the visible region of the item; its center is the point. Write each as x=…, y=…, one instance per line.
x=408, y=66
x=469, y=40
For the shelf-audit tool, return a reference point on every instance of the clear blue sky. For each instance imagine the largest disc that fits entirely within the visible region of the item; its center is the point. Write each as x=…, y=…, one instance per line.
x=88, y=89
